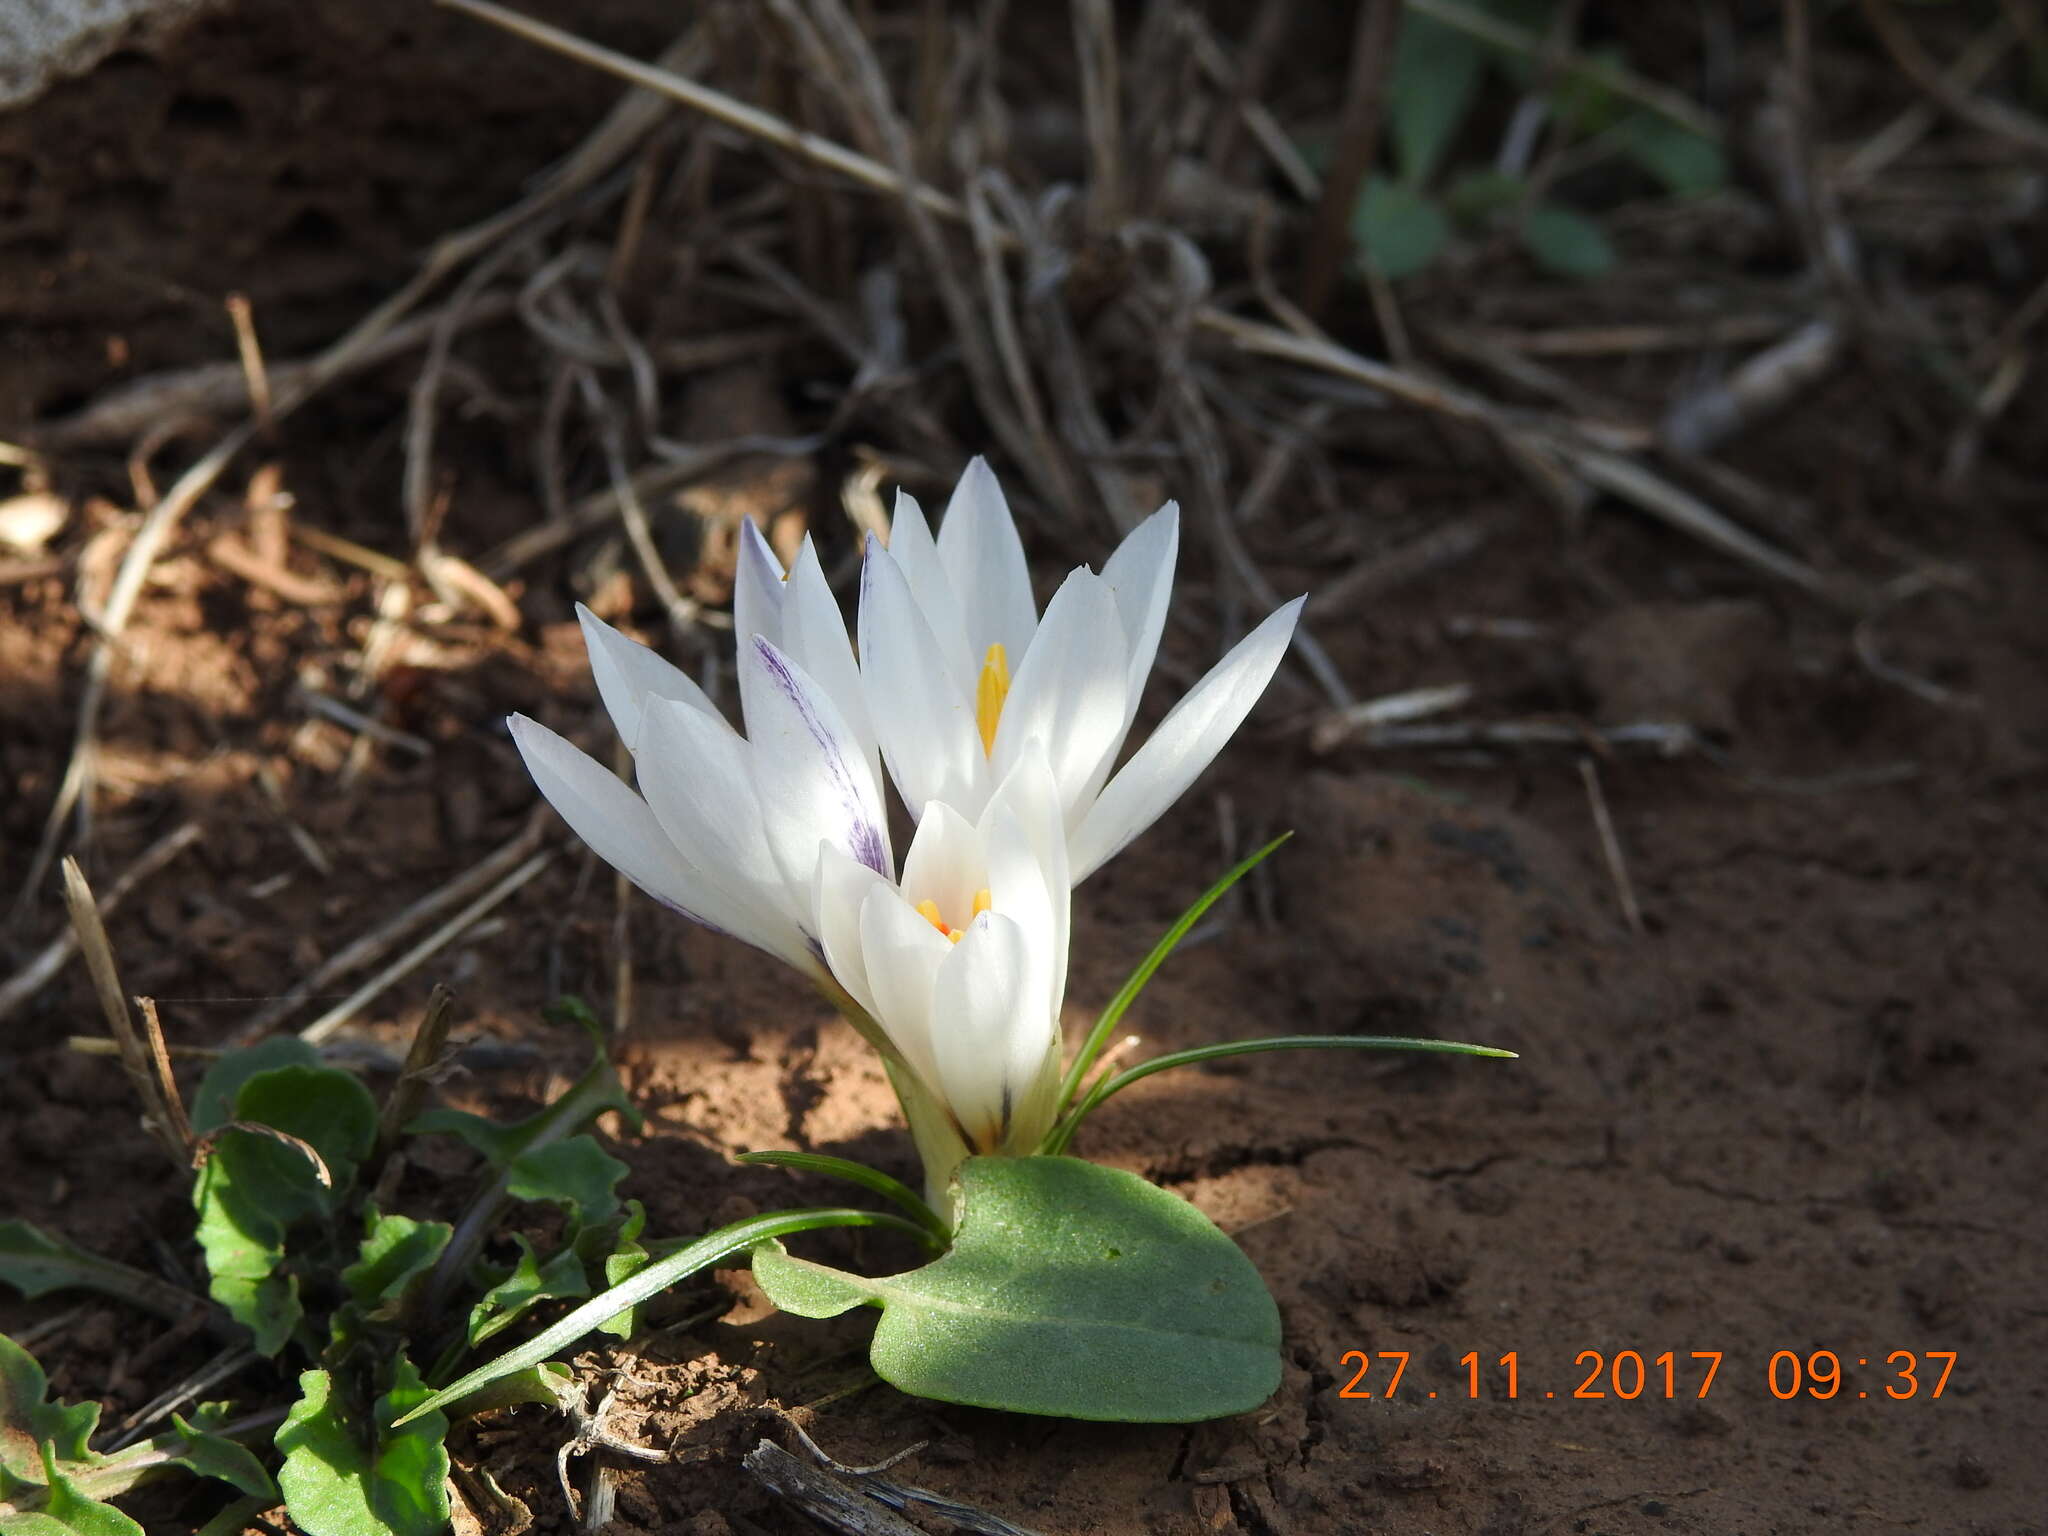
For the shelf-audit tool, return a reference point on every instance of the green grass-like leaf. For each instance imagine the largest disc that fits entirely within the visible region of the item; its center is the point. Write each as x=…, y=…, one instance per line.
x=739, y=1237
x=1111, y=1016
x=871, y=1179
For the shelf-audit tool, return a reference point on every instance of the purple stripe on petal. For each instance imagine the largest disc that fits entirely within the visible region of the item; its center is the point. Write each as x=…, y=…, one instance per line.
x=864, y=839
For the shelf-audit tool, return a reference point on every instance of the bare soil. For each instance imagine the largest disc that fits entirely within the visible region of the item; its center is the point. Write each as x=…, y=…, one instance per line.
x=1798, y=1111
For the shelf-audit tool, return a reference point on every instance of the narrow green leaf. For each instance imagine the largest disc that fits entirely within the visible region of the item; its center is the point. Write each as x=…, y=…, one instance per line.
x=211, y=1455
x=871, y=1179
x=342, y=1479
x=1072, y=1290
x=706, y=1251
x=1106, y=1024
x=34, y=1262
x=576, y=1174
x=1201, y=1053
x=596, y=1091
x=1399, y=229
x=1567, y=243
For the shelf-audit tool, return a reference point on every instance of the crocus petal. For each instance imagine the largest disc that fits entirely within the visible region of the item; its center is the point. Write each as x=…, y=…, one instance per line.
x=916, y=554
x=923, y=719
x=902, y=953
x=1025, y=834
x=946, y=864
x=810, y=774
x=699, y=779
x=1070, y=692
x=984, y=561
x=814, y=634
x=839, y=886
x=628, y=672
x=623, y=831
x=1192, y=734
x=987, y=1039
x=1140, y=573
x=757, y=588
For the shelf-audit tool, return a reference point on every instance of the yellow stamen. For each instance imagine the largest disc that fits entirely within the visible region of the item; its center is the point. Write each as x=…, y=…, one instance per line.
x=982, y=902
x=929, y=911
x=989, y=694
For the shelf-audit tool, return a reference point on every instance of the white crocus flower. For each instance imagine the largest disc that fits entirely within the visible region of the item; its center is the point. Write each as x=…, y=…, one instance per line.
x=961, y=672
x=777, y=837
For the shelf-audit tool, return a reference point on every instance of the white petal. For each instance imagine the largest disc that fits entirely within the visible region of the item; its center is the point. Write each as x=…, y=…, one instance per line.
x=1025, y=833
x=699, y=780
x=814, y=634
x=1192, y=734
x=917, y=557
x=988, y=1039
x=809, y=772
x=623, y=831
x=757, y=589
x=627, y=672
x=984, y=560
x=1070, y=692
x=924, y=720
x=1140, y=573
x=902, y=953
x=839, y=886
x=946, y=864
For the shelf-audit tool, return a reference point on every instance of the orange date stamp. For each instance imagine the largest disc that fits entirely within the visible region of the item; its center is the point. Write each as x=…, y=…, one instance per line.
x=1629, y=1374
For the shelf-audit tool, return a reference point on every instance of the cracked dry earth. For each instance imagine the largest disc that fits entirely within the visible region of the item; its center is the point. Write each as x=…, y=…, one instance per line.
x=1800, y=1112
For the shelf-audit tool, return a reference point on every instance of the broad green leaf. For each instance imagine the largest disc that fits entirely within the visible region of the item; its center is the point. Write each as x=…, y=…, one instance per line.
x=253, y=1188
x=29, y=1422
x=1071, y=1290
x=1567, y=243
x=34, y=1262
x=628, y=1257
x=1584, y=96
x=1436, y=71
x=738, y=1237
x=576, y=1174
x=327, y=1109
x=65, y=1511
x=396, y=1251
x=1399, y=229
x=1684, y=161
x=213, y=1104
x=531, y=1281
x=343, y=1479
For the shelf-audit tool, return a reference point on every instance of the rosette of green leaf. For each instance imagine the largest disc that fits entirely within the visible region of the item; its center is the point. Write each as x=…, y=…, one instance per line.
x=283, y=1145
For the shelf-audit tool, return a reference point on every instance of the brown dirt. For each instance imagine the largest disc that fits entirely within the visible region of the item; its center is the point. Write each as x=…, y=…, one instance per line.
x=1799, y=1112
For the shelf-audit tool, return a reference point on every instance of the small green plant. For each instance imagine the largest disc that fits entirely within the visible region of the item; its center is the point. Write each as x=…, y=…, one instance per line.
x=368, y=1309
x=1404, y=220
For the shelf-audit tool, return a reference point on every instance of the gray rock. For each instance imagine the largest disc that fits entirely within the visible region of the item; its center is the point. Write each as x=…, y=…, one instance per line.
x=44, y=41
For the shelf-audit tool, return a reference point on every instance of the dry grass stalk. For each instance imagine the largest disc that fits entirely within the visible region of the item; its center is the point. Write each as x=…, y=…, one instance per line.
x=137, y=1059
